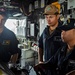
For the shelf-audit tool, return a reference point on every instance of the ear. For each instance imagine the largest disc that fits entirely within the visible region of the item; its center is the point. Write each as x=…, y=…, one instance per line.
x=74, y=31
x=58, y=16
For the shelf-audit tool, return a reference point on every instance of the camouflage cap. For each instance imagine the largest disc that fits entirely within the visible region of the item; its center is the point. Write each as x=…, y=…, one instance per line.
x=51, y=10
x=69, y=25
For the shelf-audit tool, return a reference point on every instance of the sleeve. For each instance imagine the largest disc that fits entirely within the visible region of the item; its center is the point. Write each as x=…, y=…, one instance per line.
x=40, y=42
x=14, y=45
x=52, y=62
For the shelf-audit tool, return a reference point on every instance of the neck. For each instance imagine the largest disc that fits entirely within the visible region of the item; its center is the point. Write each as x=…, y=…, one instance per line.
x=1, y=29
x=71, y=44
x=53, y=27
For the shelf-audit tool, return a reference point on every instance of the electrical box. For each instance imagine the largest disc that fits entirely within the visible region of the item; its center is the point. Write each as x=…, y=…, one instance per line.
x=32, y=28
x=71, y=4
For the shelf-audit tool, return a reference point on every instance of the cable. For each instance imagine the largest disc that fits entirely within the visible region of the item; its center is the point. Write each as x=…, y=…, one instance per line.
x=5, y=68
x=61, y=1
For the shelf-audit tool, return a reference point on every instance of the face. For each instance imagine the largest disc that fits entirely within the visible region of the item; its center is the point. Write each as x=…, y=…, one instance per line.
x=2, y=21
x=52, y=20
x=67, y=36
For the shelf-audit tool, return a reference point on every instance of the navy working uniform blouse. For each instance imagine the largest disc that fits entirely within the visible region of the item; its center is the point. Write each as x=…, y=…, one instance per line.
x=62, y=62
x=50, y=43
x=8, y=45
